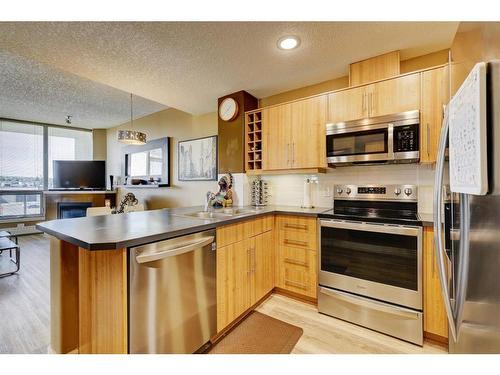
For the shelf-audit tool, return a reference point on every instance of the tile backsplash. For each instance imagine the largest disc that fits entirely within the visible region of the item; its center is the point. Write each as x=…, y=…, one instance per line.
x=288, y=189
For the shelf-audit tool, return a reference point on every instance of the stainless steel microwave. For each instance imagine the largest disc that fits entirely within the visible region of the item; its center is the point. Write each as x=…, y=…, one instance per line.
x=385, y=139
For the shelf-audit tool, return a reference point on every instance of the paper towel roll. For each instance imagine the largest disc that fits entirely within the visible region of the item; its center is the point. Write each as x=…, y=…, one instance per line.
x=306, y=201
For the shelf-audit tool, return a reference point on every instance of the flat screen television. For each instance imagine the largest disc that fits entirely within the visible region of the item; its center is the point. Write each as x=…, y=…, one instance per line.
x=79, y=174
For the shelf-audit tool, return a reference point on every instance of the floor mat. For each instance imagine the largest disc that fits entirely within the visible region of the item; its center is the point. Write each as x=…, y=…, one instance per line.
x=259, y=334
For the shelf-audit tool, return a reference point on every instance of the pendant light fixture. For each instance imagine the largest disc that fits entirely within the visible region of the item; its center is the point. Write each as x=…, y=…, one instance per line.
x=131, y=137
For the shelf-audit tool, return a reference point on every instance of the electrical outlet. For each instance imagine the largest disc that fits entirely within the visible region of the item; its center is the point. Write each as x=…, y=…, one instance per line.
x=326, y=191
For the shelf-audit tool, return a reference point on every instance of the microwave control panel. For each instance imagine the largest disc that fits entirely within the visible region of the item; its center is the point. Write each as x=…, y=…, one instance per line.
x=406, y=138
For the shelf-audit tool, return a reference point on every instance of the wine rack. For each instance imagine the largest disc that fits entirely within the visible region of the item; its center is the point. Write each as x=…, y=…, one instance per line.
x=253, y=129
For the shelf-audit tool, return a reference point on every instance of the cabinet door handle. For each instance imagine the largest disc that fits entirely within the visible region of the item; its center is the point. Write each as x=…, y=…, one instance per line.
x=296, y=226
x=296, y=262
x=249, y=260
x=371, y=103
x=428, y=139
x=254, y=260
x=296, y=284
x=295, y=242
x=293, y=154
x=288, y=154
x=433, y=272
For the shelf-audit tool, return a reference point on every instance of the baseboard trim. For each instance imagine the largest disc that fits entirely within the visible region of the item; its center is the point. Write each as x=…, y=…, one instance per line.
x=296, y=296
x=437, y=339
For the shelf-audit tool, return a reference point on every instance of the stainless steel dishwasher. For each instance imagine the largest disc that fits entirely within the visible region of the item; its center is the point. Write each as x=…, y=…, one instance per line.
x=172, y=294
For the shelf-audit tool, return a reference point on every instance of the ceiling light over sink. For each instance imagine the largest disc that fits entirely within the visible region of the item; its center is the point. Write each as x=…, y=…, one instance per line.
x=288, y=42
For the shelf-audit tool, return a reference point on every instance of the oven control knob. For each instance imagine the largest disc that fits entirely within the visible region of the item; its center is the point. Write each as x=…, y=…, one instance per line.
x=397, y=191
x=408, y=191
x=339, y=191
x=348, y=191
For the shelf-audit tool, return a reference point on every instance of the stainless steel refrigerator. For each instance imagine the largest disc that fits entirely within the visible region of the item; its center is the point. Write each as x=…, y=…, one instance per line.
x=469, y=269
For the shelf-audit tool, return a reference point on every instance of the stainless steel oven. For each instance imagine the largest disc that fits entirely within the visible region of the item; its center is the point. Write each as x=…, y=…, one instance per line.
x=370, y=260
x=385, y=139
x=380, y=261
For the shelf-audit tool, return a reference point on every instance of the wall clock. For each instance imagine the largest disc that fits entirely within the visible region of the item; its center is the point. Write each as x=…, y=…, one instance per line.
x=228, y=109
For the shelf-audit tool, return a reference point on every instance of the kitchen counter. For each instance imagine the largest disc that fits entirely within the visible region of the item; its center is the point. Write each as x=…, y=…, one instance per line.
x=427, y=219
x=110, y=232
x=89, y=289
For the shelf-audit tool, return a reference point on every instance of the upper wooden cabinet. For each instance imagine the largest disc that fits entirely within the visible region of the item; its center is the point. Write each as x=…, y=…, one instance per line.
x=294, y=135
x=277, y=133
x=309, y=133
x=381, y=98
x=374, y=69
x=348, y=105
x=394, y=95
x=435, y=94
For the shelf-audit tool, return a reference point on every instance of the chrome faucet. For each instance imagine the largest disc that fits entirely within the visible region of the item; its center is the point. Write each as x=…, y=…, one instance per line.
x=209, y=198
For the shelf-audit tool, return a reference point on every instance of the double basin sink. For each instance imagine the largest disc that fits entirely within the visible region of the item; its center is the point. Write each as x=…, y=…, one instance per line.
x=221, y=213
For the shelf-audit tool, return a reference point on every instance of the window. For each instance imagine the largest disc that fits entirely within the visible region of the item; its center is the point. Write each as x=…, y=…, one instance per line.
x=21, y=156
x=149, y=161
x=146, y=163
x=67, y=144
x=26, y=165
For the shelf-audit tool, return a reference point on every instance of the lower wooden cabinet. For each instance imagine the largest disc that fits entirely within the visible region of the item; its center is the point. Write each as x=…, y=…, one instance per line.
x=255, y=256
x=296, y=259
x=245, y=267
x=435, y=320
x=296, y=271
x=262, y=275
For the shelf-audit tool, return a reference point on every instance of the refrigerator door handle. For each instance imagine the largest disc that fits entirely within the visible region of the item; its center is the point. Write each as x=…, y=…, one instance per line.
x=463, y=261
x=438, y=188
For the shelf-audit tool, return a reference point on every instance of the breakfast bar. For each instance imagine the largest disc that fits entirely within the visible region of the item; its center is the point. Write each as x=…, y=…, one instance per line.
x=88, y=268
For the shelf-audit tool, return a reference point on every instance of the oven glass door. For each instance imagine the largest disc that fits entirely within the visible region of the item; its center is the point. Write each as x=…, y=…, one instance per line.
x=358, y=143
x=377, y=256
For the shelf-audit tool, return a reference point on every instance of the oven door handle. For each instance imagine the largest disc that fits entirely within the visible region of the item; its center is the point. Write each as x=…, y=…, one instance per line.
x=374, y=305
x=368, y=227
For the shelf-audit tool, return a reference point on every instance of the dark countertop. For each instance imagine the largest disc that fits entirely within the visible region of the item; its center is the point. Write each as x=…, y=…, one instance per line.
x=109, y=232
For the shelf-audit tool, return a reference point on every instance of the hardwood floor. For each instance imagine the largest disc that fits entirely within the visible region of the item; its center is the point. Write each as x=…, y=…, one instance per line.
x=24, y=299
x=324, y=334
x=25, y=315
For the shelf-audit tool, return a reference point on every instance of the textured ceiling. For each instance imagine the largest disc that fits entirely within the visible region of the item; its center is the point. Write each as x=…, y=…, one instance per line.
x=37, y=92
x=188, y=65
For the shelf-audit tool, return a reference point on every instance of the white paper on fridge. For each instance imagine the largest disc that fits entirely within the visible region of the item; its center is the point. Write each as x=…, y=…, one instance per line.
x=467, y=135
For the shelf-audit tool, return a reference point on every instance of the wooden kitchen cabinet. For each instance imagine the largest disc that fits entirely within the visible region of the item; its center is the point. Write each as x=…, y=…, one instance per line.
x=309, y=133
x=233, y=282
x=394, y=95
x=277, y=132
x=435, y=320
x=377, y=99
x=263, y=266
x=435, y=94
x=294, y=135
x=245, y=267
x=296, y=259
x=347, y=105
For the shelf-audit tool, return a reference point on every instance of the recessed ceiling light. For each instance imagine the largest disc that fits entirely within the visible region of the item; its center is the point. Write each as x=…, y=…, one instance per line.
x=288, y=42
